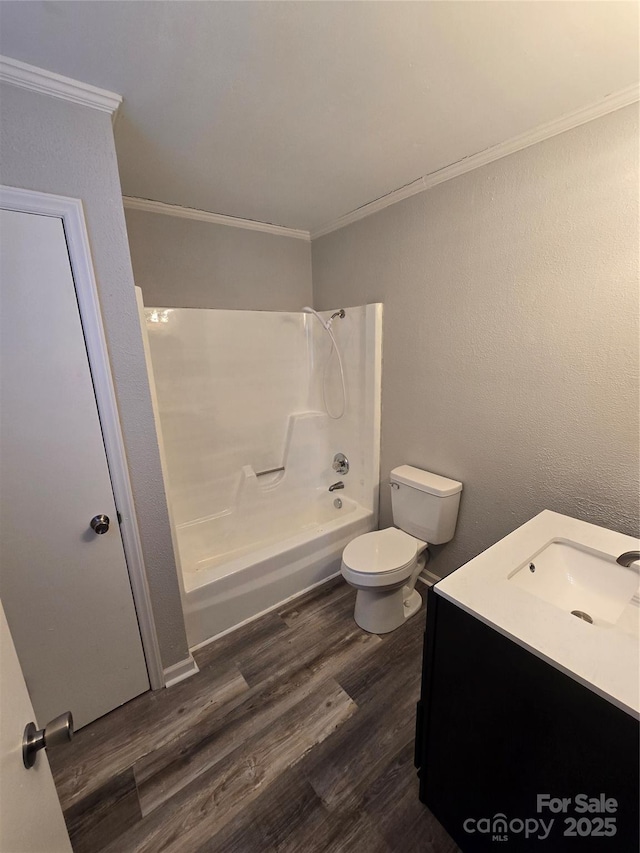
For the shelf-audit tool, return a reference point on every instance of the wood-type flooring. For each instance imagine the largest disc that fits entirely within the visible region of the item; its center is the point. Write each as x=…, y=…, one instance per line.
x=296, y=735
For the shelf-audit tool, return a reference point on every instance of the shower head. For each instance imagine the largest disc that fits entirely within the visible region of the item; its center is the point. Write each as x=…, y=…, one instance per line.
x=340, y=313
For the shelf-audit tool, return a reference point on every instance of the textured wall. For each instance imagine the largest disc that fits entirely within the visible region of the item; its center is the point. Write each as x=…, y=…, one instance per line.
x=57, y=147
x=510, y=351
x=185, y=263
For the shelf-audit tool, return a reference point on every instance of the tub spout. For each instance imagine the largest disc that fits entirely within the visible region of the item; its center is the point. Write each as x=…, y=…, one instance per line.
x=336, y=486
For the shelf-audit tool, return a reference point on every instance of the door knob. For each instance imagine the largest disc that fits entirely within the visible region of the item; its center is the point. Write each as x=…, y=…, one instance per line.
x=100, y=523
x=54, y=733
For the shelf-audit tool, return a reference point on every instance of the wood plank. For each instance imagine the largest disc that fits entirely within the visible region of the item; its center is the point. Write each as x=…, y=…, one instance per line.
x=395, y=665
x=252, y=637
x=318, y=600
x=193, y=815
x=104, y=814
x=174, y=765
x=289, y=818
x=341, y=770
x=316, y=633
x=286, y=810
x=354, y=833
x=113, y=743
x=394, y=808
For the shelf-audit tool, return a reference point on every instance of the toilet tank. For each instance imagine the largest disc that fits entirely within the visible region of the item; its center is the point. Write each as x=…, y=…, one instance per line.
x=424, y=504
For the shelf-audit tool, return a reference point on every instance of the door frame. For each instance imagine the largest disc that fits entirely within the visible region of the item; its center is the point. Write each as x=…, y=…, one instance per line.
x=71, y=212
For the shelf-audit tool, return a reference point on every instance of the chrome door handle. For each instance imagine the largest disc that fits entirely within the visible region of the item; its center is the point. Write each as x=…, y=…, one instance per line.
x=100, y=523
x=54, y=733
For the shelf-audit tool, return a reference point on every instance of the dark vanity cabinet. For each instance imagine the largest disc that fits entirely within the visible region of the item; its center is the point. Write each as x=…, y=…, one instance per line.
x=514, y=754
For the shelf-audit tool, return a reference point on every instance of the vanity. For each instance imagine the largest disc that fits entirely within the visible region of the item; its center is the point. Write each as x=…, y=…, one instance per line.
x=527, y=733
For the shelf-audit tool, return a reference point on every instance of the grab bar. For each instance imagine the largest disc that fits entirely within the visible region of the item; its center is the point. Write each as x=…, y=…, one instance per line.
x=269, y=471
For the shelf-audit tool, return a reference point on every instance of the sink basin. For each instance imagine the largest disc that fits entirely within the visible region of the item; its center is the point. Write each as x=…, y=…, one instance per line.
x=579, y=580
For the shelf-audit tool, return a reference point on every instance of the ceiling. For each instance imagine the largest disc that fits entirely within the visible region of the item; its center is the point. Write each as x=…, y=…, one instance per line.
x=296, y=113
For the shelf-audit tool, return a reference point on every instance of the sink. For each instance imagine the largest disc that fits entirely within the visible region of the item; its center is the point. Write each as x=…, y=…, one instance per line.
x=577, y=608
x=579, y=580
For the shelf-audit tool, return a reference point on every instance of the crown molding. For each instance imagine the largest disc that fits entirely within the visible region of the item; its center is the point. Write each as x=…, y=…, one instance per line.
x=48, y=83
x=132, y=203
x=609, y=104
x=415, y=187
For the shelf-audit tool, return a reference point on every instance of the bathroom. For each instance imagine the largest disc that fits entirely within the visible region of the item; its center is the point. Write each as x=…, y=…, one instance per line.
x=508, y=341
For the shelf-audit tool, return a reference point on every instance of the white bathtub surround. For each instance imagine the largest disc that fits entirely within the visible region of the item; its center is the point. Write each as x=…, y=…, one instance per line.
x=249, y=448
x=501, y=589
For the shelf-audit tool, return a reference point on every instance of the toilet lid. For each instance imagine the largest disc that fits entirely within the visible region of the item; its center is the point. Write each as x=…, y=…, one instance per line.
x=381, y=551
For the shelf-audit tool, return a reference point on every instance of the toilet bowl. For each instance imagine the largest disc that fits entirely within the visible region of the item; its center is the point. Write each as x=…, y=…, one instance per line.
x=384, y=565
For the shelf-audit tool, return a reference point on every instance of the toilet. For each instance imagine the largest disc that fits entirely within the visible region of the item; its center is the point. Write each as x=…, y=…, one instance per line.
x=384, y=565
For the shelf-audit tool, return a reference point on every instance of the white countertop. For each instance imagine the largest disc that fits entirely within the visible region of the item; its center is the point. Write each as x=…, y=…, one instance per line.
x=606, y=660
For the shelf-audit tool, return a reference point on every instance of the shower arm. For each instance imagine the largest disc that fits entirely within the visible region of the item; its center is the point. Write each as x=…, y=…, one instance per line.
x=341, y=313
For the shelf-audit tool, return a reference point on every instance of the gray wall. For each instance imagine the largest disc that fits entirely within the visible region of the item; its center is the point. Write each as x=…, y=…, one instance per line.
x=185, y=263
x=510, y=345
x=57, y=147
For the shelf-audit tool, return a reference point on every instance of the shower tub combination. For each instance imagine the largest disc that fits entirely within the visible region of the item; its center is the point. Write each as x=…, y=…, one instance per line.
x=250, y=414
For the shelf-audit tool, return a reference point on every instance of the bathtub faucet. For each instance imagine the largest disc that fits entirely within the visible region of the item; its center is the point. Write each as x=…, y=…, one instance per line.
x=336, y=486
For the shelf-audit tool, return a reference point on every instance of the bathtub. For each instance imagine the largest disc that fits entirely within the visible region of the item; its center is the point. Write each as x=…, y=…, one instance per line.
x=247, y=448
x=232, y=577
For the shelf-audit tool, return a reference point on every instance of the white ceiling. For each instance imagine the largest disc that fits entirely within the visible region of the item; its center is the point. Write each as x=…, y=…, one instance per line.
x=296, y=113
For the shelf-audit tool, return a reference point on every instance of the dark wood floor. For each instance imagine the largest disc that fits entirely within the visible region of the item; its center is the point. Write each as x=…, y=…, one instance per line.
x=296, y=735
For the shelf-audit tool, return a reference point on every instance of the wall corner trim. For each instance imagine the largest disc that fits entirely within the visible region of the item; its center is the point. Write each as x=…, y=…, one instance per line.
x=49, y=83
x=610, y=103
x=150, y=206
x=177, y=672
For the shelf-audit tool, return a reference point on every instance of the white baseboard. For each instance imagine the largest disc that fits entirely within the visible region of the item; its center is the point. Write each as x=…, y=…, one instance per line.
x=179, y=671
x=428, y=578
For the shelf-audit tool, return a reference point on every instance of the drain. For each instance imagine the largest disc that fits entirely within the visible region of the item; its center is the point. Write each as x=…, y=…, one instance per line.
x=582, y=615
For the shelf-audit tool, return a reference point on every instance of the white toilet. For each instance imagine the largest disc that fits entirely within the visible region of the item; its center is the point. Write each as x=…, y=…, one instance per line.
x=384, y=565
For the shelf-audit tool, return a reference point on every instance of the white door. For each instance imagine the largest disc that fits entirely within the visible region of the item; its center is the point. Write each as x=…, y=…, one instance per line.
x=30, y=815
x=65, y=588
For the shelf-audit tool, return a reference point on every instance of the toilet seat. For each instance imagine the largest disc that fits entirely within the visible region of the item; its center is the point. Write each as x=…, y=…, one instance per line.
x=381, y=557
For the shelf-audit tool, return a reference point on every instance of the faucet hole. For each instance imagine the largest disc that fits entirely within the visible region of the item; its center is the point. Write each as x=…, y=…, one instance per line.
x=582, y=615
